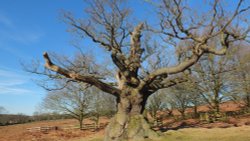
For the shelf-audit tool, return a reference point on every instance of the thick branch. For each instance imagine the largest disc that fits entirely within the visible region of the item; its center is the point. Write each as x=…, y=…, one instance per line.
x=171, y=70
x=82, y=78
x=156, y=85
x=135, y=50
x=222, y=51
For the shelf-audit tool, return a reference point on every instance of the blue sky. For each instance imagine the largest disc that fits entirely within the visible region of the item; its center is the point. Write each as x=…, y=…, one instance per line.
x=27, y=29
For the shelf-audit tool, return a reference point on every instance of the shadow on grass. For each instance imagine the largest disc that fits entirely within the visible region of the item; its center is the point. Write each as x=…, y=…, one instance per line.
x=184, y=124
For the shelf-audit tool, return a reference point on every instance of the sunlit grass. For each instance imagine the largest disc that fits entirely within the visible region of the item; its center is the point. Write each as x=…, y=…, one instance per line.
x=216, y=134
x=203, y=134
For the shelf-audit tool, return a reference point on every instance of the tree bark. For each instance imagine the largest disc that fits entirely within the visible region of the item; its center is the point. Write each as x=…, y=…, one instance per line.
x=80, y=123
x=97, y=122
x=247, y=100
x=129, y=123
x=182, y=115
x=216, y=106
x=196, y=114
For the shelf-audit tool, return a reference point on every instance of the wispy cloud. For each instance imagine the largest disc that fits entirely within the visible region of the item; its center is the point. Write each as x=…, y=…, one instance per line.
x=14, y=31
x=14, y=91
x=12, y=82
x=22, y=36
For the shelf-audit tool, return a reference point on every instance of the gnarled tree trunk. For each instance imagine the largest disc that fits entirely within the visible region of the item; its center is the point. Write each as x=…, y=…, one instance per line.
x=129, y=123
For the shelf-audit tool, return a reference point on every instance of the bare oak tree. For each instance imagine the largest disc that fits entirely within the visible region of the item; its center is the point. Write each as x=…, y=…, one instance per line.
x=100, y=104
x=241, y=76
x=213, y=86
x=179, y=99
x=71, y=100
x=109, y=26
x=156, y=103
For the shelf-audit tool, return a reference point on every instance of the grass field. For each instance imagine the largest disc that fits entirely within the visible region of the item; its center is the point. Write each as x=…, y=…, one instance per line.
x=200, y=134
x=215, y=134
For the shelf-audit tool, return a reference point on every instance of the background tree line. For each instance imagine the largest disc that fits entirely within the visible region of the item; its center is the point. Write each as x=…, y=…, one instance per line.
x=212, y=81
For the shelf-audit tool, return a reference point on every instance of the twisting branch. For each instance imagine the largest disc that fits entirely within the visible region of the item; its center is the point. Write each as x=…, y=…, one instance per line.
x=81, y=78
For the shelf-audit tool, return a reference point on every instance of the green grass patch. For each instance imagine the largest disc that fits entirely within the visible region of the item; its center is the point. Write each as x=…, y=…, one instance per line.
x=216, y=134
x=201, y=134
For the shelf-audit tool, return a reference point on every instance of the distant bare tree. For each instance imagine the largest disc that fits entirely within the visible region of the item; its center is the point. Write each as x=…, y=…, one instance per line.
x=101, y=104
x=179, y=99
x=186, y=95
x=156, y=103
x=195, y=101
x=72, y=100
x=241, y=76
x=214, y=86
